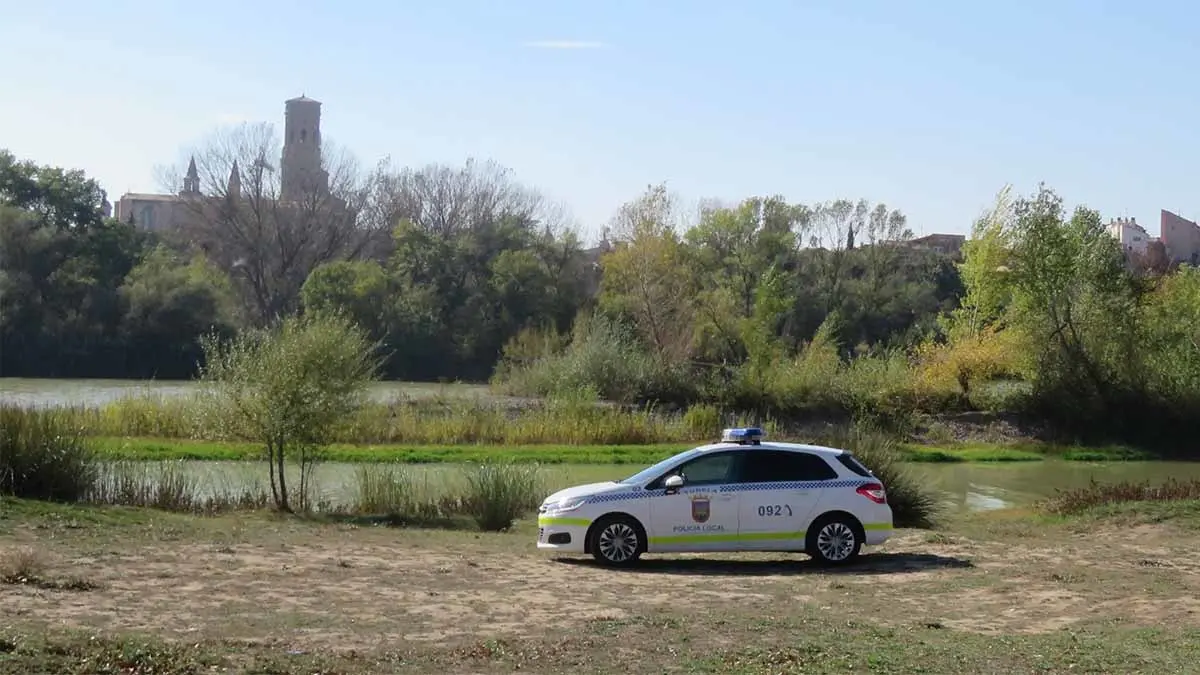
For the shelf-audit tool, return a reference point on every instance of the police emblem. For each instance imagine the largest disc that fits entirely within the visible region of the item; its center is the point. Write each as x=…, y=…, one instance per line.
x=700, y=508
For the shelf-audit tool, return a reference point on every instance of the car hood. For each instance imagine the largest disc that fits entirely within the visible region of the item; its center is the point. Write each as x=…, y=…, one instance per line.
x=586, y=491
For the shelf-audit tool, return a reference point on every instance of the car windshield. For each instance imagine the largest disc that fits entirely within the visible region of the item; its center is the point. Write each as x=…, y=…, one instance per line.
x=652, y=471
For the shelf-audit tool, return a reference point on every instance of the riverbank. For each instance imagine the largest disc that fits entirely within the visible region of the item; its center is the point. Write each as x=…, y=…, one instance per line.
x=160, y=449
x=1007, y=591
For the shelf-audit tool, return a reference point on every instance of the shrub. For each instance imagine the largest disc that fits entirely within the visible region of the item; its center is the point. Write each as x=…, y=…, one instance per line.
x=291, y=388
x=384, y=490
x=44, y=455
x=1078, y=500
x=702, y=421
x=603, y=355
x=499, y=492
x=913, y=504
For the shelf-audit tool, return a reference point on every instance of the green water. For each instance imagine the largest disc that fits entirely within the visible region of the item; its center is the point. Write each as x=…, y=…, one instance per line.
x=964, y=487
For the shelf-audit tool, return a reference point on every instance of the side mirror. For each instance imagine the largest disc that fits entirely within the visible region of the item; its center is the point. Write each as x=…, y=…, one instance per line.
x=673, y=482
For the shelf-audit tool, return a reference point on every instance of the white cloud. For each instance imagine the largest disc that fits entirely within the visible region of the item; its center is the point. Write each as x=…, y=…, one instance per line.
x=565, y=44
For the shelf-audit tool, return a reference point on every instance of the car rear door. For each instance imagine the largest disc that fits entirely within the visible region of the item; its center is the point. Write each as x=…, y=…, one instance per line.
x=780, y=495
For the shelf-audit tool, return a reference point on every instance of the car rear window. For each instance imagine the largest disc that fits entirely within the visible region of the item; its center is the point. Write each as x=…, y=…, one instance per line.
x=851, y=462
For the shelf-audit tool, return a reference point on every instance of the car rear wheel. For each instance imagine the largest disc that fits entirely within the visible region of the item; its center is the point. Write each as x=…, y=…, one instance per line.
x=834, y=540
x=617, y=541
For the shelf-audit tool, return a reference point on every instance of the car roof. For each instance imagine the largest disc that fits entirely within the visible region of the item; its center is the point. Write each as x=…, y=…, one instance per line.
x=774, y=445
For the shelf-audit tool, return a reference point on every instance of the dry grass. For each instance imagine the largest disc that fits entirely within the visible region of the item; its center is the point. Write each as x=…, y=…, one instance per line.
x=21, y=562
x=1079, y=500
x=1003, y=594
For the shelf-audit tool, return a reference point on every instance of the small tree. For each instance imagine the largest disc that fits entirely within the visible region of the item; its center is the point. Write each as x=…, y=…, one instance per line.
x=289, y=388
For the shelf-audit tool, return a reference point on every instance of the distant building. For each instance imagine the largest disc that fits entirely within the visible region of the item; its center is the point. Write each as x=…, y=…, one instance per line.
x=1133, y=238
x=1180, y=237
x=1178, y=242
x=946, y=244
x=301, y=176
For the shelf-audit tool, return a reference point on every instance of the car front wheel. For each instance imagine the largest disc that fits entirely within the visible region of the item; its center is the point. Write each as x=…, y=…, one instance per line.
x=834, y=540
x=617, y=541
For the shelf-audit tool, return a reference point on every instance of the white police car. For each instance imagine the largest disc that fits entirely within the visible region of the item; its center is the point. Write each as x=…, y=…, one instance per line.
x=741, y=494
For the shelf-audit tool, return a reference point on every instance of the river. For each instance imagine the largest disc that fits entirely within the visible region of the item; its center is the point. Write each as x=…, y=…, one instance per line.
x=963, y=486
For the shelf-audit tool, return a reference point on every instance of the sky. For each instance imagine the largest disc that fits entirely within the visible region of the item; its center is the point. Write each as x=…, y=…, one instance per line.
x=929, y=107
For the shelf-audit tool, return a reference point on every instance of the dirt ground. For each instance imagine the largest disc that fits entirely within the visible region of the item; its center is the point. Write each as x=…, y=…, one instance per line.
x=305, y=587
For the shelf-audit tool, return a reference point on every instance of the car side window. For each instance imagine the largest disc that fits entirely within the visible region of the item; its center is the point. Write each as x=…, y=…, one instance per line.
x=774, y=466
x=716, y=469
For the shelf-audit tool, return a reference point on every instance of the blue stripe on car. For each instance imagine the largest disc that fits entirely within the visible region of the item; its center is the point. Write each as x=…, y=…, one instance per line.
x=748, y=487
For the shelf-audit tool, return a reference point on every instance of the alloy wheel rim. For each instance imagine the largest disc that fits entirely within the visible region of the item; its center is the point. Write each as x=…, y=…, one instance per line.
x=835, y=541
x=618, y=542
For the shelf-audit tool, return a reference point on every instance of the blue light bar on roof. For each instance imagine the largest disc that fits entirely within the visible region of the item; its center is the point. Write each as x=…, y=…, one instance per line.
x=742, y=435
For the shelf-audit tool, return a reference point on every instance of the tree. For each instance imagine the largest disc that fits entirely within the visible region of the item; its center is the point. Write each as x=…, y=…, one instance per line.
x=646, y=277
x=291, y=388
x=484, y=255
x=169, y=303
x=268, y=239
x=62, y=199
x=735, y=247
x=61, y=262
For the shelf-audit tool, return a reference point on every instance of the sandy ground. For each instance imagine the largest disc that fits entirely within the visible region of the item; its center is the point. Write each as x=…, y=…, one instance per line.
x=337, y=587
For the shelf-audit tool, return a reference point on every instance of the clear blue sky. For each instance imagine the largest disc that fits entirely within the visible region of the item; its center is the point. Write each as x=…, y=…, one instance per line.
x=930, y=107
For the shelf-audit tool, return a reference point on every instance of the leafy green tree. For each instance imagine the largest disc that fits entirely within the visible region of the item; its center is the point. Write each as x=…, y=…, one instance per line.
x=291, y=388
x=61, y=199
x=481, y=257
x=1072, y=293
x=647, y=277
x=62, y=262
x=169, y=304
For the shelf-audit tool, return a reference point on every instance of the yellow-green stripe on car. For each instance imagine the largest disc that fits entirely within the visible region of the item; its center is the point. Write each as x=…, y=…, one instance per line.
x=543, y=521
x=752, y=536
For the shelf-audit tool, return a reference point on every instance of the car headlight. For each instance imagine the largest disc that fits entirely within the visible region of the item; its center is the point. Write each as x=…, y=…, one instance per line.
x=564, y=505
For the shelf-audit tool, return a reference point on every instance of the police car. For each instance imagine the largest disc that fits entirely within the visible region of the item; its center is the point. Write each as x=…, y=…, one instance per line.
x=741, y=494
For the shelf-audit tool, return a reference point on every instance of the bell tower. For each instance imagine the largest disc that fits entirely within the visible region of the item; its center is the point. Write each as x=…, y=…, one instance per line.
x=301, y=174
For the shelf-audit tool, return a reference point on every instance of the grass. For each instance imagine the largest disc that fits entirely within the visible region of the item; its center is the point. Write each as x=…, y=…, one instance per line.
x=177, y=449
x=140, y=449
x=418, y=422
x=1019, y=452
x=272, y=594
x=1095, y=495
x=796, y=645
x=44, y=455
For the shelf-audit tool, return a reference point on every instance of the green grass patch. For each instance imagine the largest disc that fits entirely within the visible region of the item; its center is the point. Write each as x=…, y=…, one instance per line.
x=969, y=453
x=149, y=449
x=1021, y=452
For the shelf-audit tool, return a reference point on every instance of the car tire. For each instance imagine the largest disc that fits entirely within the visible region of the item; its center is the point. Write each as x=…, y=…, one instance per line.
x=834, y=539
x=617, y=541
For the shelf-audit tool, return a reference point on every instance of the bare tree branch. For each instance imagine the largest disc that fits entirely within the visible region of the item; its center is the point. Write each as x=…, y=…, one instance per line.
x=238, y=217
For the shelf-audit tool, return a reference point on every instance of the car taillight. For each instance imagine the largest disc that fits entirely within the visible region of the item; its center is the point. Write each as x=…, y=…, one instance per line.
x=874, y=492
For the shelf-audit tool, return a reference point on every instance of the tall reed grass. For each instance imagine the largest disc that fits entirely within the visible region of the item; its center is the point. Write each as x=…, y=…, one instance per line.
x=168, y=486
x=568, y=419
x=44, y=454
x=499, y=492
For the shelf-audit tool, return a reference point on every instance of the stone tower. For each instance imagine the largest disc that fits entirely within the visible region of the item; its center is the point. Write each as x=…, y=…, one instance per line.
x=301, y=175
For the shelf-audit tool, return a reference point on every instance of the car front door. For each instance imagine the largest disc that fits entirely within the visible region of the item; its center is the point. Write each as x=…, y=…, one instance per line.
x=780, y=491
x=703, y=513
